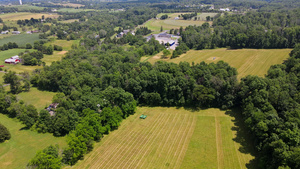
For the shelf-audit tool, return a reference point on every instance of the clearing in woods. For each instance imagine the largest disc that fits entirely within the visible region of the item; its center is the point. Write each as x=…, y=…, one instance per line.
x=24, y=144
x=246, y=61
x=69, y=21
x=58, y=55
x=172, y=23
x=172, y=138
x=39, y=99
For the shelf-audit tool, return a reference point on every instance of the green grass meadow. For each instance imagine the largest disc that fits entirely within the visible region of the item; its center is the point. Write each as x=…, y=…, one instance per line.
x=40, y=99
x=20, y=39
x=5, y=36
x=23, y=145
x=64, y=43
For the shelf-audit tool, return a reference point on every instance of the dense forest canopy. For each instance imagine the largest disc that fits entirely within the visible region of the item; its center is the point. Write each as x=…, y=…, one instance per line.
x=252, y=30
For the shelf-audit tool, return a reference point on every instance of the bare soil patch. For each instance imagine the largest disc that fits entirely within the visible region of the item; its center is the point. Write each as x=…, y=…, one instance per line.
x=62, y=52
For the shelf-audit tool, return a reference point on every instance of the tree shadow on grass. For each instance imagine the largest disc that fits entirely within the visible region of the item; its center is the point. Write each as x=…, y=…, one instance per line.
x=194, y=108
x=24, y=128
x=243, y=137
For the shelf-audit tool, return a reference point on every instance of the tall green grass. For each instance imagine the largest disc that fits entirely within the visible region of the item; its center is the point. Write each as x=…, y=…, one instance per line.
x=20, y=39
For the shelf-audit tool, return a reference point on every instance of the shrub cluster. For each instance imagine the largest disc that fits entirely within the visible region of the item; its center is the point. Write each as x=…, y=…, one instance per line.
x=4, y=133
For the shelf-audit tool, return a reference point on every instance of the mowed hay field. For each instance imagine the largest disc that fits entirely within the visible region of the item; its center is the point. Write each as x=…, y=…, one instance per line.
x=246, y=61
x=23, y=145
x=171, y=138
x=171, y=23
x=25, y=15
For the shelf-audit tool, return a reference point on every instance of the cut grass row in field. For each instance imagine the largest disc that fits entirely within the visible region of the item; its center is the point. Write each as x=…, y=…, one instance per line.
x=246, y=61
x=170, y=138
x=171, y=23
x=23, y=145
x=199, y=148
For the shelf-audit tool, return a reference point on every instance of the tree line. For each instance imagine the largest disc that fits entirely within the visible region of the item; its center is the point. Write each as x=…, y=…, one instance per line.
x=253, y=30
x=271, y=113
